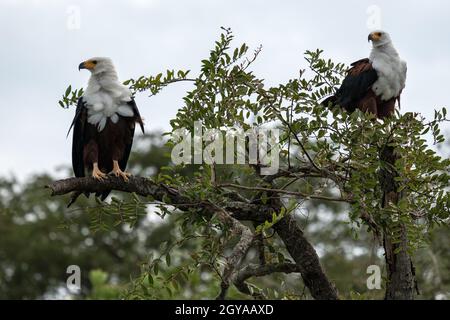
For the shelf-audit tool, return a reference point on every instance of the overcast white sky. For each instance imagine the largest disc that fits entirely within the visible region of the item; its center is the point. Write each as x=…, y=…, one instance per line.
x=41, y=48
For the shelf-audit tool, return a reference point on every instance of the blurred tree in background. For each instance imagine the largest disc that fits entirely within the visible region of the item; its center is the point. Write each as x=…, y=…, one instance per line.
x=40, y=238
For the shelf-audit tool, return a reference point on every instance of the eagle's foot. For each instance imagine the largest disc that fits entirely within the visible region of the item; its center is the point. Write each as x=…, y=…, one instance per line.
x=97, y=173
x=119, y=173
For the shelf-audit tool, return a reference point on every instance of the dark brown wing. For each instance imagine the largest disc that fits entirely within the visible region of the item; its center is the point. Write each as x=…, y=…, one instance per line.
x=137, y=115
x=137, y=118
x=356, y=85
x=78, y=140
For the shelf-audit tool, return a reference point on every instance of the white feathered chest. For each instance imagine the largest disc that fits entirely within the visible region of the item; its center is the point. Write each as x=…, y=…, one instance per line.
x=391, y=71
x=106, y=98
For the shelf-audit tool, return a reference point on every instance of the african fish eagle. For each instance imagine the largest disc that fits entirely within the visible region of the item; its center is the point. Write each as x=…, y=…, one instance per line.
x=373, y=84
x=104, y=124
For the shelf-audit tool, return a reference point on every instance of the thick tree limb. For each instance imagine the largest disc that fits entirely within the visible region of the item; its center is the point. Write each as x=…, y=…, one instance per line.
x=290, y=233
x=239, y=251
x=306, y=258
x=146, y=187
x=302, y=252
x=259, y=271
x=400, y=270
x=139, y=185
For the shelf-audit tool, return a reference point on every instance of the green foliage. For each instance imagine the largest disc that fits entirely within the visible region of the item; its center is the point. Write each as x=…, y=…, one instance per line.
x=70, y=97
x=101, y=289
x=269, y=224
x=345, y=147
x=155, y=84
x=340, y=150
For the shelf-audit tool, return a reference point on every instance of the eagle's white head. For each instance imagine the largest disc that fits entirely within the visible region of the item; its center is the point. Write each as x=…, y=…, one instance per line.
x=379, y=38
x=105, y=96
x=98, y=65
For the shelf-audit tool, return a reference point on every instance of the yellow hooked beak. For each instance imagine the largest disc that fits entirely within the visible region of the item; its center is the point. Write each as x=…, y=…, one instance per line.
x=89, y=64
x=374, y=36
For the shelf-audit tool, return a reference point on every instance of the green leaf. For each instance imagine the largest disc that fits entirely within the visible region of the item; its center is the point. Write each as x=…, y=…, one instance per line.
x=68, y=90
x=150, y=279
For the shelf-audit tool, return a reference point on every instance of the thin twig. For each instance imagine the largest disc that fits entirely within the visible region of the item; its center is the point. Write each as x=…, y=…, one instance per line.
x=292, y=193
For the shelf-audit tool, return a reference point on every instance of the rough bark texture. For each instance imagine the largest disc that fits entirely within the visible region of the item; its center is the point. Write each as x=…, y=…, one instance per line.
x=306, y=257
x=239, y=252
x=400, y=285
x=290, y=233
x=401, y=281
x=258, y=271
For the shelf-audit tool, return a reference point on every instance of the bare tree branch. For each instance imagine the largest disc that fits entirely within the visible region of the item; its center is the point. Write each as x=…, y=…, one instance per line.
x=281, y=191
x=259, y=271
x=239, y=251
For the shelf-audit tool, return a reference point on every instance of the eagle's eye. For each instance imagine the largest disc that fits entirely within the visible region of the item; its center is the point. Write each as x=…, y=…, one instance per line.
x=94, y=61
x=379, y=34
